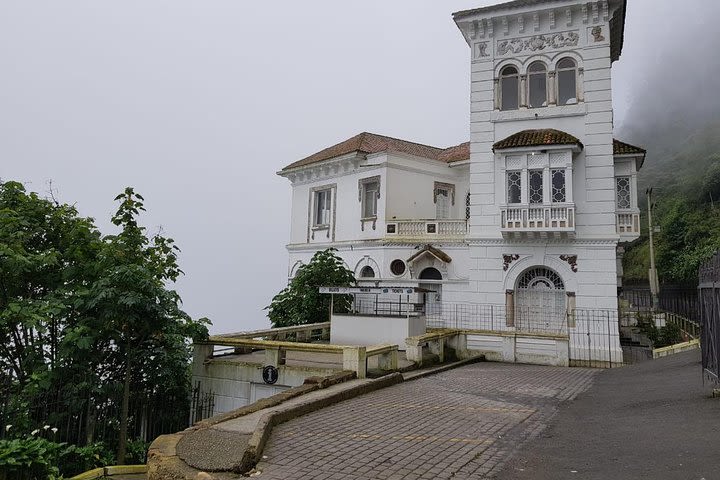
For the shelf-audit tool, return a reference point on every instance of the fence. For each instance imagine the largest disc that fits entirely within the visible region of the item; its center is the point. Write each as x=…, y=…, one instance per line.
x=709, y=312
x=83, y=416
x=678, y=299
x=593, y=335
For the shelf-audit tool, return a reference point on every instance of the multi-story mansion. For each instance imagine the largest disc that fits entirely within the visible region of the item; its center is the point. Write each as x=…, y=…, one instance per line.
x=531, y=213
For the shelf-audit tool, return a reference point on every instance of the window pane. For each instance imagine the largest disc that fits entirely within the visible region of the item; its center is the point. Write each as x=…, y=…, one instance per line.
x=566, y=63
x=442, y=203
x=566, y=87
x=322, y=207
x=370, y=199
x=535, y=192
x=538, y=90
x=509, y=93
x=558, y=186
x=509, y=71
x=513, y=187
x=623, y=192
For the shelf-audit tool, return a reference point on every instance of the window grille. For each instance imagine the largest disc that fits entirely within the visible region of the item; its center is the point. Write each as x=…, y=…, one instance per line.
x=535, y=192
x=514, y=187
x=558, y=185
x=541, y=278
x=467, y=206
x=622, y=187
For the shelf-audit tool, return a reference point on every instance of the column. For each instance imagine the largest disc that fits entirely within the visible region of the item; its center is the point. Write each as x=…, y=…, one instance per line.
x=547, y=186
x=509, y=308
x=551, y=88
x=496, y=88
x=523, y=91
x=581, y=85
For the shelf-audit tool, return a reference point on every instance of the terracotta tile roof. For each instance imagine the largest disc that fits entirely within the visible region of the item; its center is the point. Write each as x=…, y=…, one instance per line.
x=373, y=143
x=537, y=138
x=622, y=148
x=458, y=153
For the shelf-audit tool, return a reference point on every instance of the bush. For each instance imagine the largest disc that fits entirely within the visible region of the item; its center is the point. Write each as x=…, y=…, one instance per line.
x=75, y=460
x=30, y=458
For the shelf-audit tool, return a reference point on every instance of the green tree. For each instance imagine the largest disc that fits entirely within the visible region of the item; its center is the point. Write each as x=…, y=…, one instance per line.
x=300, y=302
x=131, y=307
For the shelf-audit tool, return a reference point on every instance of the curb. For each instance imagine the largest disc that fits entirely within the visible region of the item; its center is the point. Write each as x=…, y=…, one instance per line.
x=415, y=374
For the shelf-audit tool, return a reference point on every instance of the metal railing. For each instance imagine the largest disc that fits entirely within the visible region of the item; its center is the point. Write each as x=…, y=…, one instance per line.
x=709, y=313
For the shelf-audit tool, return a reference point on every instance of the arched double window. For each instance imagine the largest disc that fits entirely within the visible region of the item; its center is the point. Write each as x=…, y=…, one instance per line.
x=509, y=88
x=567, y=82
x=537, y=85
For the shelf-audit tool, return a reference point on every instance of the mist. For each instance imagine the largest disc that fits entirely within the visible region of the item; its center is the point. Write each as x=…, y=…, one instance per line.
x=198, y=104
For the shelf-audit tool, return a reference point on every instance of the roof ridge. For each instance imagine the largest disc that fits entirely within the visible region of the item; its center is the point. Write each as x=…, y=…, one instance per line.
x=403, y=140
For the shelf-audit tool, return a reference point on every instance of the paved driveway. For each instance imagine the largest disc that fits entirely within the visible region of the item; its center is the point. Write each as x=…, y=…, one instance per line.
x=463, y=423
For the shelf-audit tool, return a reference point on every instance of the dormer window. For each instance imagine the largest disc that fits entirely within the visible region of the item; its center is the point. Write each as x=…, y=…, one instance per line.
x=537, y=94
x=509, y=88
x=567, y=82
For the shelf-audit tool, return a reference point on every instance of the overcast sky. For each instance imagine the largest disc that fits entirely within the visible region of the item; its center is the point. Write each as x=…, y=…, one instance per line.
x=198, y=103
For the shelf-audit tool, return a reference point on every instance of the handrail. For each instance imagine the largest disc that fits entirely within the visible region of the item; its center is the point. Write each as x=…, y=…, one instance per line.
x=275, y=331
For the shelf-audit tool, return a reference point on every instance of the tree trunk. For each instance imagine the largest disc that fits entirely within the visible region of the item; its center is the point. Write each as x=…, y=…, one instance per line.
x=122, y=441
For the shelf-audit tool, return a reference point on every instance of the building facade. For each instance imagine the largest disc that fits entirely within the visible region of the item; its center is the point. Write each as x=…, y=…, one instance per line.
x=528, y=218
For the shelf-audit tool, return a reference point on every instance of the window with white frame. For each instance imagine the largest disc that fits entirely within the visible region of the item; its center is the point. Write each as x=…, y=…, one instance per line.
x=537, y=85
x=622, y=189
x=322, y=207
x=566, y=82
x=444, y=198
x=509, y=88
x=514, y=186
x=369, y=192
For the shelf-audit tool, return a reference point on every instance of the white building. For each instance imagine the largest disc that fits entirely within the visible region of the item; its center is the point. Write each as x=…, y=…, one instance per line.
x=527, y=220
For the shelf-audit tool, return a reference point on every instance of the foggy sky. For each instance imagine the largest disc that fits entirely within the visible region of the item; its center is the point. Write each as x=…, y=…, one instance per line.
x=197, y=104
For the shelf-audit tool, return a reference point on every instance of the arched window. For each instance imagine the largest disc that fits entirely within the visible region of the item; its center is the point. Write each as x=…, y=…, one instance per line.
x=537, y=96
x=567, y=82
x=509, y=88
x=367, y=272
x=430, y=273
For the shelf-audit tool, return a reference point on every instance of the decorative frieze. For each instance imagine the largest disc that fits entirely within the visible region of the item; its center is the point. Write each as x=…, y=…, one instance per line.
x=538, y=43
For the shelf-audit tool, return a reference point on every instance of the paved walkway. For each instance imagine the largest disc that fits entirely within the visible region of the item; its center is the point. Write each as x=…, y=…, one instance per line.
x=651, y=420
x=463, y=423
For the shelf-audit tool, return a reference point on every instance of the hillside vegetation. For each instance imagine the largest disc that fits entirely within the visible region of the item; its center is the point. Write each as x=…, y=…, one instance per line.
x=683, y=168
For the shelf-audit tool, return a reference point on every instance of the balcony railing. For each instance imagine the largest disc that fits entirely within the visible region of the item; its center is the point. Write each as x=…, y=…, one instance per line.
x=538, y=218
x=628, y=225
x=426, y=228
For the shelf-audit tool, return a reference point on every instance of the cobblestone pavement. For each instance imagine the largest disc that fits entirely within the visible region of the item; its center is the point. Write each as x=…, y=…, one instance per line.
x=463, y=423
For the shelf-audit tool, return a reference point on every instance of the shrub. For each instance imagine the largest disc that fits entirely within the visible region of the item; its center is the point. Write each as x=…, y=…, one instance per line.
x=30, y=458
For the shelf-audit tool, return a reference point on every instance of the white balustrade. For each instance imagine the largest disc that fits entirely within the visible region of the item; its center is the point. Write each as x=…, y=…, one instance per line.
x=538, y=218
x=427, y=228
x=628, y=224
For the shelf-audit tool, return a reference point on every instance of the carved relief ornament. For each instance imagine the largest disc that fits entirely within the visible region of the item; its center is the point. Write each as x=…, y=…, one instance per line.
x=508, y=259
x=538, y=42
x=571, y=260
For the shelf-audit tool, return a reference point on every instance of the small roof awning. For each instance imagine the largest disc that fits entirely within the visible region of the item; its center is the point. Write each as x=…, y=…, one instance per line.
x=544, y=137
x=432, y=251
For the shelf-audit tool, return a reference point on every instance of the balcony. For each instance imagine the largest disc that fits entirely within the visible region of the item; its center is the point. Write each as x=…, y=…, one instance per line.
x=544, y=220
x=426, y=229
x=628, y=226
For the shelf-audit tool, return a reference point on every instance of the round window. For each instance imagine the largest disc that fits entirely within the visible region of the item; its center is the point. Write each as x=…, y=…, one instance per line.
x=397, y=267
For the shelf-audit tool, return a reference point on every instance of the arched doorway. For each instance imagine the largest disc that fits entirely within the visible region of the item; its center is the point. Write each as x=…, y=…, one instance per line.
x=540, y=301
x=432, y=299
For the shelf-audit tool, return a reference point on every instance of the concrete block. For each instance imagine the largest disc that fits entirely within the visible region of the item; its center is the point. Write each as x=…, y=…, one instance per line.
x=354, y=360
